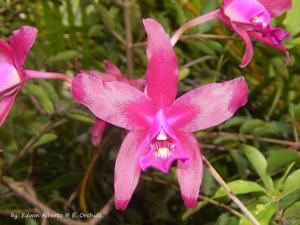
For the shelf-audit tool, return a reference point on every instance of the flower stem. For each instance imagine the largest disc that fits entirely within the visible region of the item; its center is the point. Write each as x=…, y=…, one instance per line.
x=128, y=36
x=46, y=75
x=197, y=21
x=227, y=189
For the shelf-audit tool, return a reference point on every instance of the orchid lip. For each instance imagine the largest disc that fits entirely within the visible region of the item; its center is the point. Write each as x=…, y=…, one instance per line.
x=162, y=145
x=163, y=151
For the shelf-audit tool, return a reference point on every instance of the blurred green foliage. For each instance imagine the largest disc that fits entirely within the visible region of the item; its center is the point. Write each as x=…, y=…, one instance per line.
x=78, y=35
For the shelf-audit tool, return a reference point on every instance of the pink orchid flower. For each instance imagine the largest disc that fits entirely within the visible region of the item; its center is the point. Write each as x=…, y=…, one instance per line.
x=160, y=126
x=13, y=76
x=252, y=18
x=112, y=73
x=249, y=19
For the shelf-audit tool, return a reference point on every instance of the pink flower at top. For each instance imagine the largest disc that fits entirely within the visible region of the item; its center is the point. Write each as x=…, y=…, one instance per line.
x=249, y=19
x=12, y=74
x=160, y=126
x=112, y=73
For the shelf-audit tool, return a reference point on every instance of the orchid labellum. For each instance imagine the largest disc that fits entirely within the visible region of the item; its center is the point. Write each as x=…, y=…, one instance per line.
x=160, y=126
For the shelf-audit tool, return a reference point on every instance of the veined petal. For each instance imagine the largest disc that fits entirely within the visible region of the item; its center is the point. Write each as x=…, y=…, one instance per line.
x=5, y=106
x=277, y=7
x=21, y=42
x=114, y=102
x=190, y=173
x=127, y=168
x=244, y=11
x=249, y=47
x=97, y=131
x=162, y=70
x=207, y=106
x=9, y=77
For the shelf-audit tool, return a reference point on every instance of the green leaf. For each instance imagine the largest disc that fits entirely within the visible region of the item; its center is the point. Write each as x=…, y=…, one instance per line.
x=240, y=187
x=292, y=19
x=64, y=56
x=263, y=214
x=259, y=163
x=44, y=139
x=81, y=118
x=250, y=125
x=67, y=179
x=283, y=178
x=280, y=157
x=234, y=121
x=184, y=73
x=95, y=31
x=293, y=211
x=30, y=221
x=292, y=183
x=42, y=97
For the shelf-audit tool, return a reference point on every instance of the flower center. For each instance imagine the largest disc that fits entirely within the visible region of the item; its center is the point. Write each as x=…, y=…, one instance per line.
x=162, y=145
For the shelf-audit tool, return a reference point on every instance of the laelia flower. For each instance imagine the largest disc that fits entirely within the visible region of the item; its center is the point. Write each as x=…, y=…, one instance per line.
x=112, y=73
x=249, y=19
x=160, y=126
x=12, y=74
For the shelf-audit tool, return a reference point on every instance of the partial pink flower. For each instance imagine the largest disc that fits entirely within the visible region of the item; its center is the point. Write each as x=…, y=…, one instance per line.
x=13, y=75
x=112, y=73
x=251, y=19
x=160, y=126
x=12, y=57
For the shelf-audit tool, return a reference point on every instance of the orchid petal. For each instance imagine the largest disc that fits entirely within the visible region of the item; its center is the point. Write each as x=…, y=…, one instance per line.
x=113, y=102
x=244, y=11
x=97, y=131
x=190, y=173
x=208, y=106
x=249, y=47
x=6, y=55
x=21, y=42
x=162, y=70
x=5, y=106
x=276, y=7
x=111, y=68
x=127, y=169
